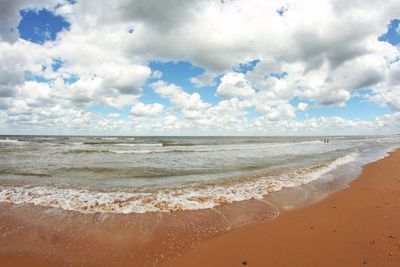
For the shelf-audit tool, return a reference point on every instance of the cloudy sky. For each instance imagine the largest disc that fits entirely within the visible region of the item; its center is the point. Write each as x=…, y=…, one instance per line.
x=205, y=67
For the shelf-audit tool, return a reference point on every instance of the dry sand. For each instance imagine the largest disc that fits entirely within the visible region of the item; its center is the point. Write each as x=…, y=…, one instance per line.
x=358, y=226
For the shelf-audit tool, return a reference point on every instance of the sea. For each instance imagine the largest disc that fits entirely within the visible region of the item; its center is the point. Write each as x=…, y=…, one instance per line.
x=137, y=174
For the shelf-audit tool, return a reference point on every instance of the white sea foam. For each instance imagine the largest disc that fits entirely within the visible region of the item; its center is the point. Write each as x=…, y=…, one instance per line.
x=185, y=197
x=140, y=144
x=11, y=141
x=132, y=151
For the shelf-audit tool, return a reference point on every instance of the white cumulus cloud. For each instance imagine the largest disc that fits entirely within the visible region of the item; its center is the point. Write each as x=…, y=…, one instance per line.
x=150, y=110
x=234, y=84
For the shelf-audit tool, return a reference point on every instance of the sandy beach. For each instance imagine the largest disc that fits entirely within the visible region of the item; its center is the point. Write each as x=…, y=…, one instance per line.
x=199, y=133
x=358, y=226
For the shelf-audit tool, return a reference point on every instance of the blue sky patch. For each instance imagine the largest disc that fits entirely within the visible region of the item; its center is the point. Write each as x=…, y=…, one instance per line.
x=278, y=75
x=57, y=63
x=245, y=67
x=71, y=79
x=39, y=26
x=356, y=108
x=148, y=96
x=31, y=77
x=392, y=35
x=178, y=73
x=282, y=10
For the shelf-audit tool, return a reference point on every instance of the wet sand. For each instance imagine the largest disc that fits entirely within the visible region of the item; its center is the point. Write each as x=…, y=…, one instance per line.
x=353, y=227
x=358, y=226
x=38, y=236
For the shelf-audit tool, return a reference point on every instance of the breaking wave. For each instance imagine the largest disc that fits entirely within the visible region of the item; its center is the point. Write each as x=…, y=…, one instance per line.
x=184, y=197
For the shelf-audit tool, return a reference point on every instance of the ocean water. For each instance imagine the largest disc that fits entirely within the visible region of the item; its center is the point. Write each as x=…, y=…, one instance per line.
x=144, y=174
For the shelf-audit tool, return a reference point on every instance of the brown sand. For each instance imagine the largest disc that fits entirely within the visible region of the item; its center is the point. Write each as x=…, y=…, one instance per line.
x=358, y=226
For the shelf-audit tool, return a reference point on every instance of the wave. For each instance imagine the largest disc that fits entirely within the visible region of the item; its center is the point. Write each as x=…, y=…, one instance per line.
x=118, y=142
x=162, y=148
x=140, y=144
x=99, y=142
x=85, y=151
x=132, y=172
x=221, y=143
x=19, y=173
x=12, y=142
x=134, y=151
x=165, y=199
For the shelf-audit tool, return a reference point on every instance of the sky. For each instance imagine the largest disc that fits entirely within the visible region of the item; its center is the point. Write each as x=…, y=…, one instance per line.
x=206, y=67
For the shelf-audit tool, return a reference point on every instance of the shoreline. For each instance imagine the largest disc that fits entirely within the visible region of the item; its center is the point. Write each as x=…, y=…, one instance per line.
x=188, y=197
x=53, y=237
x=357, y=226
